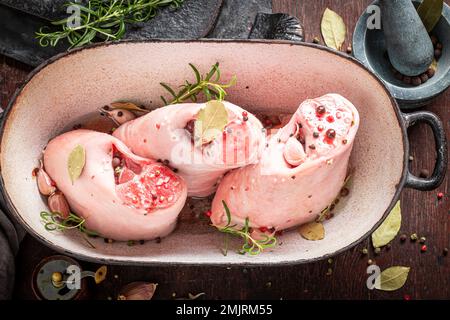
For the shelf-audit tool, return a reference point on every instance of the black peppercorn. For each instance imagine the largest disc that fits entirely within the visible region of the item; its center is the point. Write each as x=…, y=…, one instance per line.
x=434, y=40
x=321, y=110
x=424, y=173
x=437, y=53
x=190, y=126
x=398, y=76
x=424, y=77
x=331, y=134
x=416, y=81
x=344, y=192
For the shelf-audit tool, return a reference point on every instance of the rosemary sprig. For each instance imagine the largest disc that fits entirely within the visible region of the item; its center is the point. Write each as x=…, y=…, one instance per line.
x=207, y=84
x=251, y=245
x=104, y=19
x=53, y=221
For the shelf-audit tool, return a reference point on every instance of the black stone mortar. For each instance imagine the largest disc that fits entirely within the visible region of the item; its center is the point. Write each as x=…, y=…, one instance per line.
x=369, y=48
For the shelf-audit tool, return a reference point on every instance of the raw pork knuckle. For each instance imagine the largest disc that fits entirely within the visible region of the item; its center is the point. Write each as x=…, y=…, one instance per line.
x=120, y=195
x=167, y=133
x=301, y=170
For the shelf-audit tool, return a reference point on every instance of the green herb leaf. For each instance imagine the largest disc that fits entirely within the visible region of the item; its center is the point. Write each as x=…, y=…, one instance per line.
x=392, y=278
x=390, y=227
x=197, y=74
x=210, y=121
x=430, y=12
x=312, y=231
x=169, y=89
x=53, y=221
x=251, y=245
x=214, y=69
x=102, y=19
x=227, y=211
x=76, y=162
x=333, y=29
x=212, y=89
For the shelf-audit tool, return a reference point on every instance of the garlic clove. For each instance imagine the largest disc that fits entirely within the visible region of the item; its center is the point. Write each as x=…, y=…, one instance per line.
x=119, y=116
x=58, y=203
x=137, y=291
x=122, y=115
x=45, y=184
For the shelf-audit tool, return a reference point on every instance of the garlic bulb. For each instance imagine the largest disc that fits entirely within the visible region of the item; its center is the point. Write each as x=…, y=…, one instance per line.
x=119, y=116
x=137, y=291
x=58, y=203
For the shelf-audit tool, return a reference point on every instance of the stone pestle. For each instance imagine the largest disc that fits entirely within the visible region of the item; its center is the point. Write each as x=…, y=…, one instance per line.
x=408, y=44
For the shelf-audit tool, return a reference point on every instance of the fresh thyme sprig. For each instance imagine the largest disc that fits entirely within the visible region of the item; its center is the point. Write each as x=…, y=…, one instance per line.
x=53, y=221
x=207, y=84
x=103, y=19
x=251, y=245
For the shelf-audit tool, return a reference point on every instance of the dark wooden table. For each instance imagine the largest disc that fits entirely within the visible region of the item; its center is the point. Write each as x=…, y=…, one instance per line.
x=422, y=214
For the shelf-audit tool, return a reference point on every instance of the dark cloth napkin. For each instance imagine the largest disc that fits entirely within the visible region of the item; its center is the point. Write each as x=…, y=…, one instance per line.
x=10, y=237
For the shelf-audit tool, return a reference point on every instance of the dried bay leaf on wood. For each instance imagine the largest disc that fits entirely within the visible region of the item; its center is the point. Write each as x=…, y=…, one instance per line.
x=392, y=278
x=333, y=29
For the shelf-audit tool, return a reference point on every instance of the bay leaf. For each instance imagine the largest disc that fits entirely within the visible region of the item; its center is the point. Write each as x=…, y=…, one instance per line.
x=312, y=231
x=392, y=278
x=210, y=121
x=390, y=227
x=333, y=29
x=76, y=162
x=127, y=106
x=430, y=12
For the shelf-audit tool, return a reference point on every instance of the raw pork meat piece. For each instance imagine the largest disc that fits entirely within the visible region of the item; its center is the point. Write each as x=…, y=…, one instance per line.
x=120, y=195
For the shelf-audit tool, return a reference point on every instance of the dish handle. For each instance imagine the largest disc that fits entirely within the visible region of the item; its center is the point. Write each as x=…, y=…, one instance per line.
x=440, y=141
